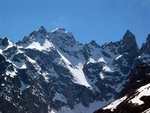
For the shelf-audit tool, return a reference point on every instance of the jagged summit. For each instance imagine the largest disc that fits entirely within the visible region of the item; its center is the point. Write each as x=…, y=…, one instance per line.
x=128, y=35
x=4, y=42
x=129, y=44
x=148, y=38
x=42, y=29
x=93, y=43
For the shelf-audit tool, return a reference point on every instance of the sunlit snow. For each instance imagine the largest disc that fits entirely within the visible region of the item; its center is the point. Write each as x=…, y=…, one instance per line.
x=114, y=104
x=143, y=91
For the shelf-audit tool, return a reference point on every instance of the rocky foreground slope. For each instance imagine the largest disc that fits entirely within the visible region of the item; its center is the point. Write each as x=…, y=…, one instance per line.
x=135, y=96
x=51, y=72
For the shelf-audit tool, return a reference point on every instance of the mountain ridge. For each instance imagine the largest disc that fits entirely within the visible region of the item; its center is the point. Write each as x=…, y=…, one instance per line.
x=59, y=74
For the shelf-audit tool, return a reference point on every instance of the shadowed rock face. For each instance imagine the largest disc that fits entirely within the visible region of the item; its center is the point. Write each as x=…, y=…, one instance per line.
x=137, y=78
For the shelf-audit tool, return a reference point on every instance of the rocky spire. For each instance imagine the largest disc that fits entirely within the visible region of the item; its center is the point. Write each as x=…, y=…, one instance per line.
x=146, y=46
x=5, y=42
x=42, y=30
x=148, y=38
x=128, y=44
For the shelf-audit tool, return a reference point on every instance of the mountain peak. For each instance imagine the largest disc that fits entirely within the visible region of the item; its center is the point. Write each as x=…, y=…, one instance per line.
x=128, y=35
x=5, y=41
x=148, y=38
x=93, y=43
x=129, y=44
x=42, y=28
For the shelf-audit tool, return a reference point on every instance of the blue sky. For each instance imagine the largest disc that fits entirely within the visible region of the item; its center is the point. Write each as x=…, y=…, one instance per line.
x=100, y=20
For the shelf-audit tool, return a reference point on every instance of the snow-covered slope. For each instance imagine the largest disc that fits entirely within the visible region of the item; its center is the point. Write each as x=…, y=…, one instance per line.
x=53, y=72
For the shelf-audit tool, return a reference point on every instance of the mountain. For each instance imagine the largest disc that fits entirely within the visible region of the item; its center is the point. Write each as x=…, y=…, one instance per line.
x=51, y=72
x=135, y=95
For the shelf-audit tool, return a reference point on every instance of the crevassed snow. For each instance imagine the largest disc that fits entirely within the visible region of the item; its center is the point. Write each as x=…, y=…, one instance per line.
x=114, y=104
x=143, y=91
x=59, y=97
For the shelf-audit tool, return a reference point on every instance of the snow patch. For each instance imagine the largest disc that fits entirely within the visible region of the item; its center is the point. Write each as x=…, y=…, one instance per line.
x=102, y=75
x=101, y=60
x=36, y=45
x=91, y=61
x=146, y=111
x=118, y=57
x=114, y=104
x=11, y=73
x=107, y=69
x=78, y=74
x=143, y=91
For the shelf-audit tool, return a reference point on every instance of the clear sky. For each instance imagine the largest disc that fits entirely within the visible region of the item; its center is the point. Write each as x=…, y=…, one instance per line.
x=100, y=20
